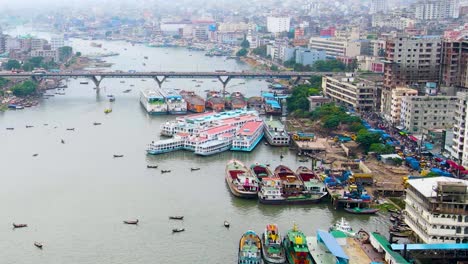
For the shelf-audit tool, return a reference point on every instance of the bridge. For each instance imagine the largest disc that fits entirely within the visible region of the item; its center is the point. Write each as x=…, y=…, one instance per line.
x=223, y=76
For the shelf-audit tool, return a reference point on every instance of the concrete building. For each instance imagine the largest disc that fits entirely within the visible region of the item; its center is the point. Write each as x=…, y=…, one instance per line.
x=460, y=129
x=454, y=62
x=437, y=9
x=229, y=27
x=352, y=91
x=278, y=24
x=412, y=61
x=38, y=44
x=392, y=21
x=317, y=101
x=378, y=6
x=437, y=209
x=48, y=55
x=335, y=47
x=391, y=103
x=57, y=42
x=309, y=57
x=200, y=33
x=428, y=112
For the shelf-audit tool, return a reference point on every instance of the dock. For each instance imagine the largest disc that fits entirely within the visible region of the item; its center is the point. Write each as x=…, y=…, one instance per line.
x=355, y=251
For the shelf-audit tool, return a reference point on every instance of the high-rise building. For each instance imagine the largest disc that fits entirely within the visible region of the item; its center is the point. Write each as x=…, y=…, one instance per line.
x=437, y=9
x=412, y=61
x=335, y=47
x=57, y=42
x=378, y=6
x=278, y=24
x=460, y=129
x=454, y=62
x=436, y=209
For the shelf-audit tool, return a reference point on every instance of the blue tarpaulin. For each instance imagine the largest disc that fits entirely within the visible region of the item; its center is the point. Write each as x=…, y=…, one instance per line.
x=332, y=245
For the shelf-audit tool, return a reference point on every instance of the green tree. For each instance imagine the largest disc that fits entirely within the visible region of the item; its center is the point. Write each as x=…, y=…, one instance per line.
x=245, y=43
x=12, y=64
x=366, y=138
x=3, y=82
x=298, y=99
x=380, y=148
x=65, y=53
x=28, y=66
x=25, y=88
x=260, y=51
x=331, y=122
x=78, y=54
x=242, y=52
x=36, y=61
x=328, y=66
x=274, y=68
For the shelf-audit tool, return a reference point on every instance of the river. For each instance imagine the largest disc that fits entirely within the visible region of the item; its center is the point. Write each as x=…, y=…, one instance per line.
x=74, y=196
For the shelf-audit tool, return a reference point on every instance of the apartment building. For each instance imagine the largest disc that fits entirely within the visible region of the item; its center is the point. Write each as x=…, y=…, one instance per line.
x=335, y=47
x=460, y=129
x=437, y=209
x=278, y=24
x=412, y=60
x=309, y=57
x=437, y=9
x=427, y=112
x=48, y=55
x=454, y=62
x=391, y=103
x=349, y=90
x=378, y=6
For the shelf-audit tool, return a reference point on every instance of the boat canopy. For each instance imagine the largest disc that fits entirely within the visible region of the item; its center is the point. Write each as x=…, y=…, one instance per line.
x=332, y=245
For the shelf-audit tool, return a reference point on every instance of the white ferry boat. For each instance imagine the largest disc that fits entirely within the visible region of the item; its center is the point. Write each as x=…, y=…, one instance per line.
x=212, y=147
x=248, y=136
x=176, y=104
x=195, y=123
x=153, y=102
x=276, y=133
x=167, y=145
x=270, y=191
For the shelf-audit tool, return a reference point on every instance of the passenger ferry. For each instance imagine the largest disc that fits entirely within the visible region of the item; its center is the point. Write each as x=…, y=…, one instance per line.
x=216, y=146
x=194, y=123
x=276, y=133
x=271, y=192
x=176, y=105
x=153, y=102
x=195, y=103
x=248, y=136
x=167, y=145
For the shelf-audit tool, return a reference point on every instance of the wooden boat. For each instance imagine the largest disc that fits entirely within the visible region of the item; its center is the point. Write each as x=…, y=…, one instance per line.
x=118, y=156
x=96, y=123
x=179, y=217
x=226, y=224
x=71, y=129
x=250, y=247
x=295, y=246
x=194, y=169
x=294, y=189
x=303, y=160
x=272, y=249
x=127, y=91
x=240, y=181
x=131, y=222
x=177, y=230
x=305, y=174
x=10, y=128
x=236, y=101
x=63, y=141
x=261, y=171
x=35, y=155
x=195, y=103
x=38, y=245
x=357, y=210
x=19, y=225
x=107, y=110
x=214, y=101
x=152, y=166
x=165, y=171
x=29, y=126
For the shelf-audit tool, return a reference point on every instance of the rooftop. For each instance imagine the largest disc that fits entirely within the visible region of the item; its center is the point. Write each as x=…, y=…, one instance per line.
x=426, y=185
x=250, y=127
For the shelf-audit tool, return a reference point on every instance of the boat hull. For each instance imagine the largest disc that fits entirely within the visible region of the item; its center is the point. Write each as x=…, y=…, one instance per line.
x=215, y=152
x=370, y=211
x=177, y=112
x=271, y=202
x=251, y=147
x=157, y=152
x=240, y=194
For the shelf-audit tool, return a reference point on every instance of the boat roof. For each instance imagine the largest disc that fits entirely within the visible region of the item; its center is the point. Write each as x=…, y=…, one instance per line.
x=313, y=183
x=273, y=123
x=170, y=93
x=149, y=93
x=273, y=103
x=250, y=128
x=299, y=240
x=338, y=234
x=330, y=242
x=218, y=129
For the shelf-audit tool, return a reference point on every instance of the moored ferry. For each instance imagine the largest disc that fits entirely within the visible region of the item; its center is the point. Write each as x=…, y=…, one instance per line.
x=250, y=249
x=215, y=101
x=294, y=190
x=272, y=107
x=312, y=183
x=270, y=192
x=275, y=133
x=236, y=101
x=221, y=144
x=295, y=245
x=195, y=103
x=240, y=181
x=272, y=249
x=167, y=145
x=176, y=105
x=248, y=136
x=153, y=102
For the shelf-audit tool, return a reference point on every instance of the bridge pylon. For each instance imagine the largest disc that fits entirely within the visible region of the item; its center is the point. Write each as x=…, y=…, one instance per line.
x=224, y=82
x=97, y=81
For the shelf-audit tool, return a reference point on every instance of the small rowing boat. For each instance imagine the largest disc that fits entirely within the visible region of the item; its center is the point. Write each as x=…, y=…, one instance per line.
x=361, y=210
x=226, y=224
x=96, y=123
x=118, y=156
x=177, y=230
x=178, y=217
x=10, y=128
x=194, y=169
x=165, y=171
x=152, y=166
x=38, y=245
x=35, y=155
x=71, y=129
x=19, y=225
x=131, y=222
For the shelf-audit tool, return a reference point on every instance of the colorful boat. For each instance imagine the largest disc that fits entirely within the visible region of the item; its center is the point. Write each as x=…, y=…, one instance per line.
x=248, y=136
x=294, y=190
x=240, y=181
x=312, y=183
x=357, y=210
x=261, y=171
x=343, y=226
x=250, y=249
x=272, y=107
x=195, y=103
x=295, y=245
x=215, y=101
x=176, y=105
x=153, y=102
x=270, y=191
x=275, y=133
x=236, y=101
x=272, y=249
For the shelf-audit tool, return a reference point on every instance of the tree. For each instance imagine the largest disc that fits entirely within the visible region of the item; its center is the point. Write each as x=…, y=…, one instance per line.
x=298, y=99
x=65, y=52
x=380, y=148
x=78, y=54
x=260, y=51
x=24, y=89
x=245, y=43
x=274, y=68
x=328, y=65
x=331, y=122
x=242, y=52
x=366, y=138
x=12, y=64
x=28, y=66
x=3, y=82
x=36, y=61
